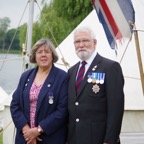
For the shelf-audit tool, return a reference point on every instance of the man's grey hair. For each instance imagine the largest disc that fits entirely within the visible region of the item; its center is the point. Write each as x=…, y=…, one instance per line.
x=85, y=29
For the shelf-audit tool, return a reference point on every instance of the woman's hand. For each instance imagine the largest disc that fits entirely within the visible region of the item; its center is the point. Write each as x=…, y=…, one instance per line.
x=31, y=135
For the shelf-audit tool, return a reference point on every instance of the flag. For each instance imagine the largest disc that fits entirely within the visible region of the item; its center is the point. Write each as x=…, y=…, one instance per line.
x=115, y=16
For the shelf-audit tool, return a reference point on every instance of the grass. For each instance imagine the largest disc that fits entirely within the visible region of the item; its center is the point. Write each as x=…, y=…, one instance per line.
x=1, y=139
x=11, y=51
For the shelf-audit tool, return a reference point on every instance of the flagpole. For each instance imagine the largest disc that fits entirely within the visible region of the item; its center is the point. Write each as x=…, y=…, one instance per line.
x=139, y=58
x=29, y=34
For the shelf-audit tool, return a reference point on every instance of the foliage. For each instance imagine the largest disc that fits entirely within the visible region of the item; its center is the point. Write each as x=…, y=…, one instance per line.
x=59, y=18
x=4, y=24
x=52, y=26
x=12, y=40
x=22, y=33
x=1, y=139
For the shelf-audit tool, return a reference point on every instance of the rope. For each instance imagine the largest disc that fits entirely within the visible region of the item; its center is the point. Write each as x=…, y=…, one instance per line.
x=126, y=48
x=5, y=128
x=13, y=132
x=132, y=78
x=130, y=40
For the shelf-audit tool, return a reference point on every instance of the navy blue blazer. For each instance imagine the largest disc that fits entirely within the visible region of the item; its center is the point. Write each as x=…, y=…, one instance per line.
x=51, y=117
x=95, y=116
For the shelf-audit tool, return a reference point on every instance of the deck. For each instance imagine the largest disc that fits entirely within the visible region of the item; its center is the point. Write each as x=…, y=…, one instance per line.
x=132, y=138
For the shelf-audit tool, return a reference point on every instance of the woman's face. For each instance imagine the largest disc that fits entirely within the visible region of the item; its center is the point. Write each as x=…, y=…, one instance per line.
x=44, y=56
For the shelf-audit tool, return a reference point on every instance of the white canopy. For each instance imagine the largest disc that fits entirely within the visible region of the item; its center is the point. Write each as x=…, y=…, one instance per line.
x=134, y=98
x=3, y=97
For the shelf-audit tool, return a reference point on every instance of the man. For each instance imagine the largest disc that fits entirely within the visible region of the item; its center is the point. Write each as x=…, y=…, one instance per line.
x=96, y=100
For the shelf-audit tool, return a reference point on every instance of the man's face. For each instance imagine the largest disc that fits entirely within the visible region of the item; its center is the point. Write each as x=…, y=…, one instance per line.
x=84, y=45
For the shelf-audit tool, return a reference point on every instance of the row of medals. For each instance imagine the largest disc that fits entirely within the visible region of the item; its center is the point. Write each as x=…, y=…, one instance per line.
x=97, y=78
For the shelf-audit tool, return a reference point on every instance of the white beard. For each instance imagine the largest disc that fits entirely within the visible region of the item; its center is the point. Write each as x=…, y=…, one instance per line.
x=84, y=55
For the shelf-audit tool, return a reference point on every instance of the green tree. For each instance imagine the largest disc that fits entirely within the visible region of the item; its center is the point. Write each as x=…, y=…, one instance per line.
x=59, y=18
x=52, y=26
x=23, y=34
x=4, y=24
x=11, y=41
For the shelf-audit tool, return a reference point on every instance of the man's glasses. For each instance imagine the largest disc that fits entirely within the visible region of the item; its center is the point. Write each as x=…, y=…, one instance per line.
x=84, y=41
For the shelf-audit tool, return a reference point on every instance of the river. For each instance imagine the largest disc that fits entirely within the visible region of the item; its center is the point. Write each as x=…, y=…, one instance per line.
x=10, y=71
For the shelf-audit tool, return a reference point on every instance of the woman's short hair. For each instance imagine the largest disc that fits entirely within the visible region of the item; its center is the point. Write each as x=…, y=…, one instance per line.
x=38, y=44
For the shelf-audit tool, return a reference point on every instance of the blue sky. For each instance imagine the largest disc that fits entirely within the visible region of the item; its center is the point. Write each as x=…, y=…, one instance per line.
x=14, y=10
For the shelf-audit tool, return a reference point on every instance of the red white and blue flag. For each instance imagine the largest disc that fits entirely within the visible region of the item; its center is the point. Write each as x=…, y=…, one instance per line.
x=115, y=16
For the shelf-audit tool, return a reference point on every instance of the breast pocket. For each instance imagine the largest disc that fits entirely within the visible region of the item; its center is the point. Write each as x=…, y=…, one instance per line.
x=95, y=90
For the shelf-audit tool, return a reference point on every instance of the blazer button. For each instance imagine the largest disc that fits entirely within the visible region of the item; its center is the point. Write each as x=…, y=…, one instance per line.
x=77, y=120
x=76, y=103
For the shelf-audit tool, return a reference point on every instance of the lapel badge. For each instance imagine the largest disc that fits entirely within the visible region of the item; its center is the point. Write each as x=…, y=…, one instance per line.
x=49, y=85
x=94, y=68
x=95, y=88
x=51, y=98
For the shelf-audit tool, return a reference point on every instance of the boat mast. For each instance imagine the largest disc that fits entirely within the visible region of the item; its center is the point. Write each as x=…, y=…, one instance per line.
x=29, y=31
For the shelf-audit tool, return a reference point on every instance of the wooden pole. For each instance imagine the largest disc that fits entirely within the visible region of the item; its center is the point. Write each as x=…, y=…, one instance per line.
x=139, y=59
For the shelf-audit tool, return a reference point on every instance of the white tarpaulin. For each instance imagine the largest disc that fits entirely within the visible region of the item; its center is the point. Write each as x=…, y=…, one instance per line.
x=134, y=99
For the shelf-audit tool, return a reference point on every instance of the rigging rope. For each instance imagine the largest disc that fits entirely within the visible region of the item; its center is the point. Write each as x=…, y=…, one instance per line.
x=13, y=38
x=126, y=48
x=63, y=60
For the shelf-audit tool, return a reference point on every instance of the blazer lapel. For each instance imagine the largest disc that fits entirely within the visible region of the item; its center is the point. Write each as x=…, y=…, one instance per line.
x=46, y=86
x=28, y=84
x=93, y=67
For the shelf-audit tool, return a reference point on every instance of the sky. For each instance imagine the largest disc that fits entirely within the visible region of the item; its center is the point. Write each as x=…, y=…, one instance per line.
x=14, y=9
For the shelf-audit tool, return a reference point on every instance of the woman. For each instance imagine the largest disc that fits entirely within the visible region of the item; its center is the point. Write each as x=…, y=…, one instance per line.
x=39, y=104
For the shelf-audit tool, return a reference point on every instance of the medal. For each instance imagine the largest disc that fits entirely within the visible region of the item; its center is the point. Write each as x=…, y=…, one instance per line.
x=97, y=78
x=89, y=77
x=101, y=81
x=93, y=80
x=89, y=80
x=97, y=81
x=51, y=98
x=95, y=88
x=102, y=77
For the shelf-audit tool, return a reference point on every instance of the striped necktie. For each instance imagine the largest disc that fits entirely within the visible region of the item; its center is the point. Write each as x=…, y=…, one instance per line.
x=80, y=76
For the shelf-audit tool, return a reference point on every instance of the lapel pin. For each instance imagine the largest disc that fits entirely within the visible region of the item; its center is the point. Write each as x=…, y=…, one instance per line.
x=94, y=68
x=49, y=85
